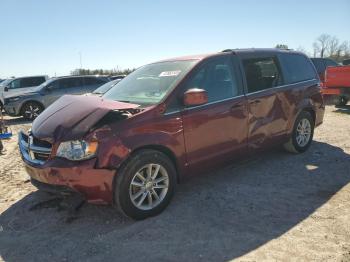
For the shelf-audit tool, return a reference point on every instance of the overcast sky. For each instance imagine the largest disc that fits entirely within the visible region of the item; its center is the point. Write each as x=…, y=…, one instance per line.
x=47, y=37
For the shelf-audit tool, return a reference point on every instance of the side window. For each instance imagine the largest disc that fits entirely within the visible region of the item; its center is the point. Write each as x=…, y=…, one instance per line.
x=15, y=84
x=297, y=68
x=217, y=78
x=70, y=82
x=32, y=81
x=261, y=73
x=89, y=81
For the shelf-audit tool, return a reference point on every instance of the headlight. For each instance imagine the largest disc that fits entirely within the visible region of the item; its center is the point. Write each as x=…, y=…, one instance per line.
x=77, y=150
x=11, y=99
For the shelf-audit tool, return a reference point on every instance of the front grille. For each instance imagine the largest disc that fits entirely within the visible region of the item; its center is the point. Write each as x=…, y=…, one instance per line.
x=34, y=150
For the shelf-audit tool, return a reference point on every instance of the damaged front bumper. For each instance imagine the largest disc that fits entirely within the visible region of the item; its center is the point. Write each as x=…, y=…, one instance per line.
x=95, y=185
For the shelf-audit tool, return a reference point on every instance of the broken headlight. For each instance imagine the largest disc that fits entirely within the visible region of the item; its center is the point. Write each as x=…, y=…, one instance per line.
x=77, y=150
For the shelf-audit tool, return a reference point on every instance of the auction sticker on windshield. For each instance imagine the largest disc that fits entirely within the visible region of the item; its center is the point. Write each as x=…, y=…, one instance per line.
x=170, y=73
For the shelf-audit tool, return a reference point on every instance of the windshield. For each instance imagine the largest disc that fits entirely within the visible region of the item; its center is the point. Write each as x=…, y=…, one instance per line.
x=6, y=82
x=104, y=88
x=149, y=84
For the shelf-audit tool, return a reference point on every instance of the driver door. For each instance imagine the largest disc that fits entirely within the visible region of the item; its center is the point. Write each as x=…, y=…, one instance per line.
x=216, y=131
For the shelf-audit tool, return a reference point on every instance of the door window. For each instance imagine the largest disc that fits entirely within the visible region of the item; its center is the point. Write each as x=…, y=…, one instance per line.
x=217, y=78
x=261, y=73
x=15, y=84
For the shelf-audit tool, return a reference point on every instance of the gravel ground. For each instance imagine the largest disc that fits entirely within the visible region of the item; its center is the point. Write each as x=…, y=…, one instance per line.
x=272, y=207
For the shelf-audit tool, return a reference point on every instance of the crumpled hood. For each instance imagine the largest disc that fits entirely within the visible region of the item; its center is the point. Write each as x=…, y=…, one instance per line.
x=71, y=116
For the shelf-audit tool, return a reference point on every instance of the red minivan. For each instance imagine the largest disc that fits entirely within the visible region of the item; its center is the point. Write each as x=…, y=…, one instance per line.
x=169, y=120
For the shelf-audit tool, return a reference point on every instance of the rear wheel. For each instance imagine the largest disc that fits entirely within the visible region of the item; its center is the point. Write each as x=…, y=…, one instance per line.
x=31, y=110
x=342, y=101
x=302, y=134
x=145, y=185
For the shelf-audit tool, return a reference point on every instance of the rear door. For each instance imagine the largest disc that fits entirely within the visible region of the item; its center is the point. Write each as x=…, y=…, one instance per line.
x=266, y=119
x=215, y=131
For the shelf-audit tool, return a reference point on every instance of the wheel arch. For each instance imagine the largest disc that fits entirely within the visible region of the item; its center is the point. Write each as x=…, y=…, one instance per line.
x=30, y=101
x=163, y=149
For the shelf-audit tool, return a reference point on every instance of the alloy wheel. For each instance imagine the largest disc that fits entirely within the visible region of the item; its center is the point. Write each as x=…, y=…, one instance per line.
x=303, y=132
x=149, y=186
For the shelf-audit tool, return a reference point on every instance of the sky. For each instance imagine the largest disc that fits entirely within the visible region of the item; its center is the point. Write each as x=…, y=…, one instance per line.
x=49, y=37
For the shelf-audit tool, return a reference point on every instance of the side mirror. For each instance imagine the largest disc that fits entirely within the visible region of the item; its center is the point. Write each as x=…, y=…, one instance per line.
x=6, y=88
x=195, y=97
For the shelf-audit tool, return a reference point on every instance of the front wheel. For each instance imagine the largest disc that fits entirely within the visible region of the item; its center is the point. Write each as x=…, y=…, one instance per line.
x=145, y=185
x=31, y=110
x=302, y=134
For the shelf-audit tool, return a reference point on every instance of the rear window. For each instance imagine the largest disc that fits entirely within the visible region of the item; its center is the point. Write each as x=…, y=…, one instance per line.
x=297, y=68
x=319, y=65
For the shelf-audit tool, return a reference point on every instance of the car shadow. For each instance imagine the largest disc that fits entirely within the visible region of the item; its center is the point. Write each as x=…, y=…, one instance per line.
x=342, y=109
x=217, y=216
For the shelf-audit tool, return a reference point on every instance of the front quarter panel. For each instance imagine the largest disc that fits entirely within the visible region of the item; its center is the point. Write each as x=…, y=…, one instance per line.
x=147, y=130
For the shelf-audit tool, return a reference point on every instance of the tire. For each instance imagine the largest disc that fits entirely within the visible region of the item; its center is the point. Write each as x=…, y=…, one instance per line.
x=31, y=110
x=342, y=101
x=303, y=127
x=139, y=200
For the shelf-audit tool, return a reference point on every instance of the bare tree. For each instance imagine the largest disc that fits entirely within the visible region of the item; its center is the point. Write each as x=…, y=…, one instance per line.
x=321, y=45
x=333, y=46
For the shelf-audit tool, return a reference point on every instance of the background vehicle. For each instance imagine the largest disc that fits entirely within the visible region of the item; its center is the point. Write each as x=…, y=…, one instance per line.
x=346, y=62
x=31, y=104
x=18, y=85
x=321, y=65
x=171, y=119
x=337, y=79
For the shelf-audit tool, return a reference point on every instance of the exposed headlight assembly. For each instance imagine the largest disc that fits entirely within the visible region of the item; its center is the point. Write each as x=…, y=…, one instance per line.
x=77, y=150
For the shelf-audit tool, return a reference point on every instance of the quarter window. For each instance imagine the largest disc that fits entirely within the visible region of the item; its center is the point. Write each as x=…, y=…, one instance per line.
x=297, y=68
x=217, y=78
x=261, y=73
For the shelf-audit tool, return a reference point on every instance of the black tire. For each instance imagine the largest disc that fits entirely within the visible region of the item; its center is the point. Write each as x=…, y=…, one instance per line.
x=126, y=174
x=342, y=101
x=293, y=145
x=31, y=110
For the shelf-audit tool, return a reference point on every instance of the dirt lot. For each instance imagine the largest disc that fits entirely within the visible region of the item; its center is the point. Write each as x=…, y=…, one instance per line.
x=273, y=207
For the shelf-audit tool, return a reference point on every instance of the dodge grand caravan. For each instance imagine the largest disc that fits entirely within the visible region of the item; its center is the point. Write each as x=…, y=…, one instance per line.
x=169, y=120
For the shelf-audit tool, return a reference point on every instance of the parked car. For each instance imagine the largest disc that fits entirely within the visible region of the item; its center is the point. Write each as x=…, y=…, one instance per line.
x=19, y=85
x=337, y=79
x=321, y=65
x=31, y=104
x=104, y=88
x=171, y=119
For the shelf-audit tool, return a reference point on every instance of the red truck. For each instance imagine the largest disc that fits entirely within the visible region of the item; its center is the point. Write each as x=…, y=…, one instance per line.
x=335, y=79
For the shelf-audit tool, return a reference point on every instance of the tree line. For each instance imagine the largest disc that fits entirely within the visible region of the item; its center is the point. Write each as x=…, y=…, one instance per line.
x=109, y=72
x=326, y=46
